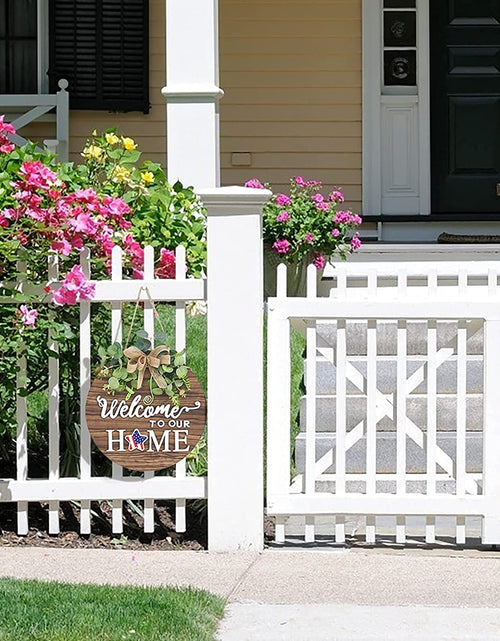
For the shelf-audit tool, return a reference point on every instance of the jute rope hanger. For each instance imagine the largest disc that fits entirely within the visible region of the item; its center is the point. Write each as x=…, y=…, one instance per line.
x=138, y=360
x=137, y=303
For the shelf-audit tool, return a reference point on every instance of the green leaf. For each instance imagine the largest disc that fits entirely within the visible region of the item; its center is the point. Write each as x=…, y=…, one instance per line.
x=102, y=351
x=114, y=383
x=178, y=361
x=157, y=391
x=143, y=344
x=181, y=371
x=142, y=333
x=23, y=392
x=114, y=349
x=161, y=337
x=121, y=373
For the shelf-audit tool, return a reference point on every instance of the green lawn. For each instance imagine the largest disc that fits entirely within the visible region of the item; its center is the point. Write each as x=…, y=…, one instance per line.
x=36, y=611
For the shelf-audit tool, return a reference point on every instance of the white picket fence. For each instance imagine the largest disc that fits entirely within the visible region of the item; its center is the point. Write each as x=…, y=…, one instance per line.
x=235, y=388
x=116, y=291
x=375, y=294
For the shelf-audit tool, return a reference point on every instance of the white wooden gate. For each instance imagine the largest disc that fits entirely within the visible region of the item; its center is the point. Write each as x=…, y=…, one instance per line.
x=466, y=295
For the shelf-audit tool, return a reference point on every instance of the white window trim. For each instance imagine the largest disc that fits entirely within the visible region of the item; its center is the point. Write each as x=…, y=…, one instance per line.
x=415, y=198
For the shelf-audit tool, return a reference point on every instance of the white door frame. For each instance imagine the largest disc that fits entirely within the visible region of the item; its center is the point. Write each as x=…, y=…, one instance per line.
x=396, y=127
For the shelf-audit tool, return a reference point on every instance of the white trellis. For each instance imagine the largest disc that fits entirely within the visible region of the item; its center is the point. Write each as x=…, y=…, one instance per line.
x=466, y=294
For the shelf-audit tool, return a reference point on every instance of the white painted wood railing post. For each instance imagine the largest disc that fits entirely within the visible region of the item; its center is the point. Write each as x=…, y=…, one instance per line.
x=235, y=368
x=491, y=431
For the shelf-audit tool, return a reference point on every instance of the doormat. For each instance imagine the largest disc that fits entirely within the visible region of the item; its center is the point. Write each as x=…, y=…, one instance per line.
x=467, y=238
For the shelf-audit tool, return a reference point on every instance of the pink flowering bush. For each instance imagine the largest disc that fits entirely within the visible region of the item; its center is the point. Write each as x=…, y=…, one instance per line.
x=107, y=200
x=304, y=223
x=58, y=209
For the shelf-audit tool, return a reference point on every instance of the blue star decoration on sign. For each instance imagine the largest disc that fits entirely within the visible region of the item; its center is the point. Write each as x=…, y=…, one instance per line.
x=136, y=441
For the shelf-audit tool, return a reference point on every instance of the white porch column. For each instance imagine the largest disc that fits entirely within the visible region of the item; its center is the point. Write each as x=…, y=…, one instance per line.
x=235, y=368
x=192, y=92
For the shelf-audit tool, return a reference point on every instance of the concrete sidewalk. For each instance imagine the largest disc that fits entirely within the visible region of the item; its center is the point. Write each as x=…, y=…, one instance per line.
x=315, y=584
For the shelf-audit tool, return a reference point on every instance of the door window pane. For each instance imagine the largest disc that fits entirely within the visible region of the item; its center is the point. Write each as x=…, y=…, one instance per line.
x=400, y=68
x=22, y=62
x=400, y=29
x=18, y=46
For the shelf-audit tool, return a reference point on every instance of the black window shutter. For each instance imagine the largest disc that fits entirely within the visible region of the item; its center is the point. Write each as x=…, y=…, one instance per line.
x=102, y=48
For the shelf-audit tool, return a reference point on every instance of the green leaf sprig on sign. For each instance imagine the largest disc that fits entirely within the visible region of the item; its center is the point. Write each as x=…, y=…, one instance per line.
x=126, y=369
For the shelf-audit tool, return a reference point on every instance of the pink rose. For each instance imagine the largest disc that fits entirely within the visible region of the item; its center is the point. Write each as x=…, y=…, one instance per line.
x=166, y=267
x=336, y=196
x=283, y=200
x=28, y=316
x=6, y=126
x=283, y=217
x=355, y=242
x=319, y=261
x=254, y=183
x=281, y=246
x=74, y=288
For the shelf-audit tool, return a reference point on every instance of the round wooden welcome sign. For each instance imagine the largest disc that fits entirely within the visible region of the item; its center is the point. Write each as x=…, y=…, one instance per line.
x=144, y=432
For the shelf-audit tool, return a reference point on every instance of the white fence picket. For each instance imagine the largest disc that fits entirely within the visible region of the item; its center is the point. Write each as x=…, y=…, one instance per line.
x=401, y=424
x=22, y=445
x=116, y=336
x=54, y=399
x=310, y=465
x=85, y=381
x=149, y=327
x=180, y=345
x=371, y=422
x=340, y=423
x=430, y=531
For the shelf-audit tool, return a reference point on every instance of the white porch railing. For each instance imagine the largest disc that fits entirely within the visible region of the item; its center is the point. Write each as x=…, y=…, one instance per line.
x=39, y=105
x=462, y=295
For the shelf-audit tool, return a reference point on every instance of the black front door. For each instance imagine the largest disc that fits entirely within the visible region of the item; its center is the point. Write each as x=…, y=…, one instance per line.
x=465, y=106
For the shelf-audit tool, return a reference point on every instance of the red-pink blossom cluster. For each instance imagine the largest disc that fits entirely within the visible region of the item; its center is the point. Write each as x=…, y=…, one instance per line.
x=5, y=128
x=74, y=288
x=166, y=267
x=66, y=220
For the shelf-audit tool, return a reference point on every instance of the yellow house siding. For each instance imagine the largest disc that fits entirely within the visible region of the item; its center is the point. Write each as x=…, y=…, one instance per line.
x=291, y=71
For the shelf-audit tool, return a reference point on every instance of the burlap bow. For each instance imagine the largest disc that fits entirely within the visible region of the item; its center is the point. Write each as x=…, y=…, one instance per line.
x=141, y=362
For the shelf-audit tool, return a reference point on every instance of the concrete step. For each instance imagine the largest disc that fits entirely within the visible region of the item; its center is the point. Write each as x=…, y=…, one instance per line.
x=387, y=338
x=326, y=378
x=355, y=526
x=386, y=453
x=416, y=410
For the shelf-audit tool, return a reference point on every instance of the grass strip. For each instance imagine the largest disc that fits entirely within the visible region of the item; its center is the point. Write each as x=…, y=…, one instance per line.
x=40, y=611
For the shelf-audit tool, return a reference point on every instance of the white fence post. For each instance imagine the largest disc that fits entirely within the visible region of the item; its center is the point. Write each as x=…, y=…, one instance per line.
x=235, y=368
x=491, y=432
